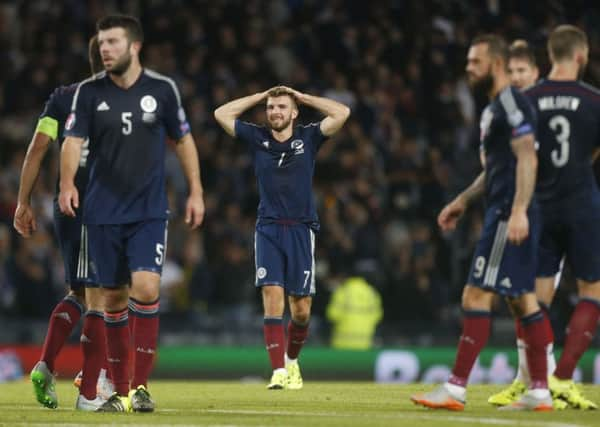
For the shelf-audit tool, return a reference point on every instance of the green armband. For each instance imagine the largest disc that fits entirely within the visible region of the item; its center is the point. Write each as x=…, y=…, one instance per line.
x=48, y=126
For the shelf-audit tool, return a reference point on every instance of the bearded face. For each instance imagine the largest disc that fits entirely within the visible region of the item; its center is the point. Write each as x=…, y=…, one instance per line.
x=482, y=85
x=281, y=111
x=120, y=65
x=115, y=49
x=479, y=69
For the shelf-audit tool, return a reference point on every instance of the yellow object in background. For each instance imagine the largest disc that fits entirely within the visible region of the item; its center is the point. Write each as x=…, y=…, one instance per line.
x=354, y=310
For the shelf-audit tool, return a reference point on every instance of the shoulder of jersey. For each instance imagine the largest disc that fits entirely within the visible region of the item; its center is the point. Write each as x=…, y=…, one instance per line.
x=253, y=124
x=592, y=89
x=507, y=99
x=532, y=89
x=63, y=95
x=92, y=79
x=309, y=125
x=162, y=78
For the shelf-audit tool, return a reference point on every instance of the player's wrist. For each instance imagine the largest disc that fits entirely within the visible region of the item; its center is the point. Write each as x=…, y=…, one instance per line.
x=23, y=200
x=519, y=210
x=196, y=191
x=65, y=185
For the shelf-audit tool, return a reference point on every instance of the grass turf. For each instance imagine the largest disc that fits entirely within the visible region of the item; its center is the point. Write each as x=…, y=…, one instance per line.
x=208, y=403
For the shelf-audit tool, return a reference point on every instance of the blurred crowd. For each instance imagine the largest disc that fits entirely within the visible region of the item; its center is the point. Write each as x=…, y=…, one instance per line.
x=408, y=147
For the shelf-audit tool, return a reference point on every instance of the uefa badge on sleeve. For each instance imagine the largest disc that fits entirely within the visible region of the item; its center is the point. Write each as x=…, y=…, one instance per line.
x=70, y=121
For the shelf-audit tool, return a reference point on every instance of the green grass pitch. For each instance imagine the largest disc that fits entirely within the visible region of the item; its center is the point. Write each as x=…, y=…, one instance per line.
x=232, y=404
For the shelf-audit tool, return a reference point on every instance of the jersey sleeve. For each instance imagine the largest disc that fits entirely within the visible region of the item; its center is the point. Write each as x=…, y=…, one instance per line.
x=78, y=123
x=520, y=114
x=175, y=119
x=246, y=132
x=48, y=123
x=315, y=135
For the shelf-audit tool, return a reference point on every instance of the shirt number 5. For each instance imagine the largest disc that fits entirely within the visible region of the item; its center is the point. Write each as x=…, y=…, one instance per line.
x=126, y=122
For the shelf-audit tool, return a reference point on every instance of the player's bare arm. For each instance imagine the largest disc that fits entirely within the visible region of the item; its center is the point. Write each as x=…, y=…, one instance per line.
x=188, y=157
x=336, y=113
x=227, y=114
x=68, y=198
x=453, y=211
x=518, y=224
x=24, y=221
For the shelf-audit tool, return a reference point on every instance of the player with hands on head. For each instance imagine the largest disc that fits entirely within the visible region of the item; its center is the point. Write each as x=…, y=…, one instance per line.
x=284, y=160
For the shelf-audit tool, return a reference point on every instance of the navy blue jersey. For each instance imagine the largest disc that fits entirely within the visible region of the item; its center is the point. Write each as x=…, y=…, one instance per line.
x=284, y=171
x=568, y=133
x=52, y=123
x=508, y=116
x=127, y=129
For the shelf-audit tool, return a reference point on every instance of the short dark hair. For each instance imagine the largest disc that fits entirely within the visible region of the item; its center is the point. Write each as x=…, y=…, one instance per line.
x=520, y=49
x=94, y=56
x=563, y=41
x=132, y=26
x=497, y=46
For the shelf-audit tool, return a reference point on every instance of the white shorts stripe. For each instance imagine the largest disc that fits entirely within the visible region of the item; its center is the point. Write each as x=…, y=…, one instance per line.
x=82, y=259
x=255, y=258
x=558, y=274
x=312, y=264
x=495, y=259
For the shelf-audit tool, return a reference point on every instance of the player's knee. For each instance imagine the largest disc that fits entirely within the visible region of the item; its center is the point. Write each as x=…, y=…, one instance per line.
x=301, y=318
x=94, y=300
x=115, y=299
x=79, y=294
x=589, y=290
x=476, y=299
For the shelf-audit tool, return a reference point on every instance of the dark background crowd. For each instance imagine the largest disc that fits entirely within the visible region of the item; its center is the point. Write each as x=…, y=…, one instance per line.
x=409, y=146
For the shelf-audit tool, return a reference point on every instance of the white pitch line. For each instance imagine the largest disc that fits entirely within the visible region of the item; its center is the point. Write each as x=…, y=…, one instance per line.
x=399, y=416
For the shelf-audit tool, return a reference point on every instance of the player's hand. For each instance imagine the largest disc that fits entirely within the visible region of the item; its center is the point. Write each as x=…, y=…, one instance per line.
x=24, y=221
x=449, y=216
x=194, y=210
x=518, y=227
x=68, y=199
x=298, y=95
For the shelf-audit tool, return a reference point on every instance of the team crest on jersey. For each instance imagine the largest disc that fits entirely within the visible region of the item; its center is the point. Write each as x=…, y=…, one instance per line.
x=298, y=146
x=485, y=122
x=148, y=104
x=261, y=273
x=70, y=121
x=265, y=144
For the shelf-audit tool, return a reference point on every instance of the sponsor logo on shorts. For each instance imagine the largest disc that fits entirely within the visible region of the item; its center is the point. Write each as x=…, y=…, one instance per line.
x=261, y=273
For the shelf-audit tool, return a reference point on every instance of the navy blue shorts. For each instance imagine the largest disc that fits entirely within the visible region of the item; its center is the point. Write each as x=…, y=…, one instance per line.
x=498, y=265
x=571, y=230
x=117, y=250
x=285, y=256
x=68, y=234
